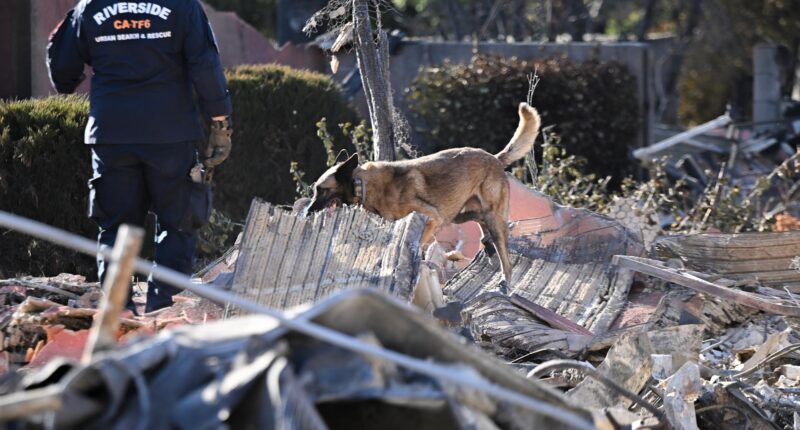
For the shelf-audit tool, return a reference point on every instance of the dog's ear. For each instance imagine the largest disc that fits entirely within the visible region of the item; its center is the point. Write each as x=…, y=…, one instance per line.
x=341, y=156
x=344, y=173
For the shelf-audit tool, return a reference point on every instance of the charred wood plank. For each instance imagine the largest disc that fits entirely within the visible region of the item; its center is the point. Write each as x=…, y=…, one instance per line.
x=555, y=320
x=656, y=269
x=116, y=287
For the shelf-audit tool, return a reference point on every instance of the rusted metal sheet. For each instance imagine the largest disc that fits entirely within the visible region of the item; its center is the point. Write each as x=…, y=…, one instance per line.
x=772, y=304
x=766, y=257
x=286, y=260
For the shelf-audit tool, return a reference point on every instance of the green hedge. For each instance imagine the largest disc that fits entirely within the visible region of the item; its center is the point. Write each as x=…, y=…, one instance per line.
x=276, y=109
x=44, y=166
x=43, y=172
x=592, y=105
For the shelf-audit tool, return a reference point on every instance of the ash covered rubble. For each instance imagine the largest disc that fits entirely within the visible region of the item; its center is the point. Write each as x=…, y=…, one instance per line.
x=608, y=320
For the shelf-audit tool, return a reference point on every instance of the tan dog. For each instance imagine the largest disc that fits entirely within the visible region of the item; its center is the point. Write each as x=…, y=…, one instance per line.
x=451, y=186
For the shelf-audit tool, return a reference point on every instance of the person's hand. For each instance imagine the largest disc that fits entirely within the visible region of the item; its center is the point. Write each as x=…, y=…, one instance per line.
x=219, y=143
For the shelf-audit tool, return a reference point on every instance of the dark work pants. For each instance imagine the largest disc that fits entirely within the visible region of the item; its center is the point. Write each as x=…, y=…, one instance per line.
x=129, y=181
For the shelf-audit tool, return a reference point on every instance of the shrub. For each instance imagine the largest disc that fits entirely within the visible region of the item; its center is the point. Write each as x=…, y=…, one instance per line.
x=276, y=110
x=559, y=176
x=722, y=206
x=44, y=166
x=592, y=105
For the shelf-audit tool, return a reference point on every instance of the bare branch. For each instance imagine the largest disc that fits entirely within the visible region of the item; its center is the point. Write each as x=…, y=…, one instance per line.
x=533, y=81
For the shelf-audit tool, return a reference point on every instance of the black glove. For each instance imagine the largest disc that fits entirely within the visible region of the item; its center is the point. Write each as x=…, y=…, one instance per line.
x=219, y=143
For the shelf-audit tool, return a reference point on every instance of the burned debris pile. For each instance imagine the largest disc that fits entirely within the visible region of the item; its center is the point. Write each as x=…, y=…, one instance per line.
x=610, y=320
x=44, y=318
x=250, y=372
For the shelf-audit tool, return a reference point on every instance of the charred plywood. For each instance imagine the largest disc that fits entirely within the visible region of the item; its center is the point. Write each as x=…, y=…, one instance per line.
x=286, y=260
x=766, y=257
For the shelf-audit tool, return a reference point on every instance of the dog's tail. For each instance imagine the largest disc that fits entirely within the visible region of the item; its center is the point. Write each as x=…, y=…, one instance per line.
x=523, y=139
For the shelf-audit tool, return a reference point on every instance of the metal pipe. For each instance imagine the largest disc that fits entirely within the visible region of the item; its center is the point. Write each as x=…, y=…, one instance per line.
x=26, y=403
x=646, y=152
x=435, y=370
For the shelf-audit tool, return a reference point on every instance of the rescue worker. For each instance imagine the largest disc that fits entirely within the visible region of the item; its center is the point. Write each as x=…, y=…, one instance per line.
x=143, y=122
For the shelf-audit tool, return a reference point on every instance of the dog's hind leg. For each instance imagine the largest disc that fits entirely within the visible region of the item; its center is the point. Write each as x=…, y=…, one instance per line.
x=498, y=231
x=486, y=239
x=473, y=211
x=466, y=217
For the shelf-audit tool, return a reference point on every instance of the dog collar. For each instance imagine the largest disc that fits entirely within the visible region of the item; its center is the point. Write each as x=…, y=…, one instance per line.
x=360, y=187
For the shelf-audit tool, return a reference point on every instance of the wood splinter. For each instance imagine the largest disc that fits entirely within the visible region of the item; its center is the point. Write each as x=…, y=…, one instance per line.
x=115, y=291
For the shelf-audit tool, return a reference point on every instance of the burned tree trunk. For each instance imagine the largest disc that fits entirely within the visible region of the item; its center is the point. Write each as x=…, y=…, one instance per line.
x=373, y=63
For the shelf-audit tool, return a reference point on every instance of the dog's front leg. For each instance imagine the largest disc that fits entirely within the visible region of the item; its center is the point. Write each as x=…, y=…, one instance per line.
x=498, y=231
x=431, y=227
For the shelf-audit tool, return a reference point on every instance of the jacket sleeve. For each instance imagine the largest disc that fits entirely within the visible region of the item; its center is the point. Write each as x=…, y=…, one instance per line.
x=202, y=61
x=66, y=54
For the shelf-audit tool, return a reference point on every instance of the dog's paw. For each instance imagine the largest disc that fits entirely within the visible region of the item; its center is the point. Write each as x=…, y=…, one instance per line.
x=503, y=287
x=489, y=248
x=500, y=288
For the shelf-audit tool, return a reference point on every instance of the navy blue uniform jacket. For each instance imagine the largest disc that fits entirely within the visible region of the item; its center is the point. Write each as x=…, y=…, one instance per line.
x=145, y=58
